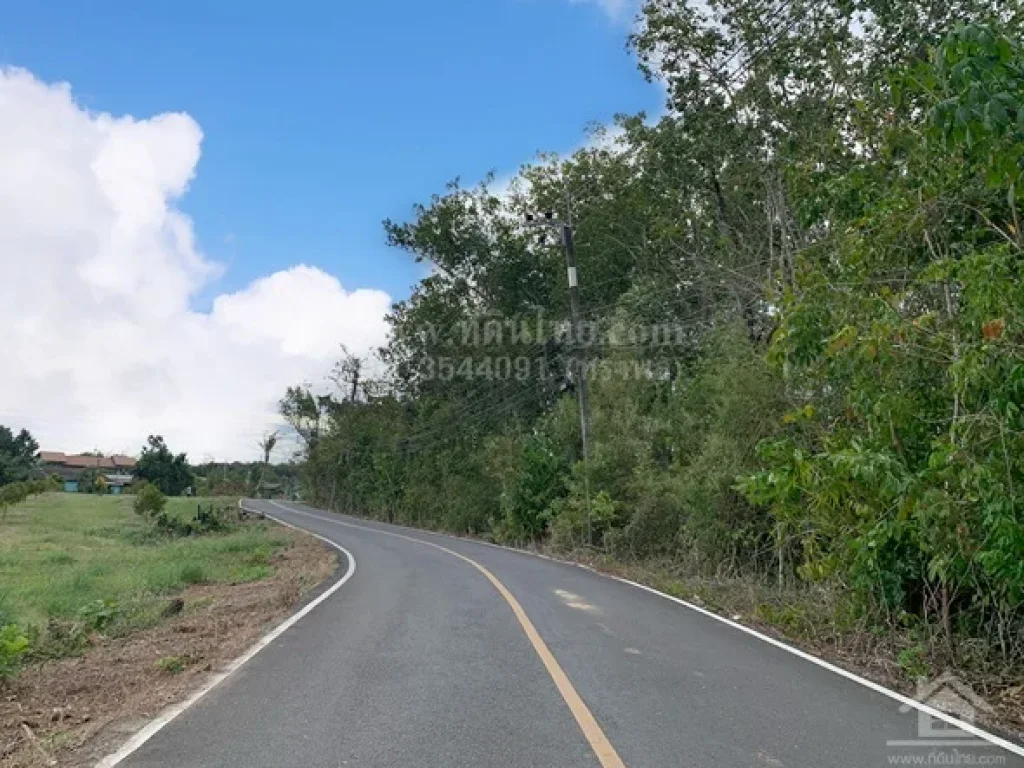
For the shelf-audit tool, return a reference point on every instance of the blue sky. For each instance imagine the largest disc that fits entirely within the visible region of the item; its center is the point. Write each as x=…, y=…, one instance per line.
x=320, y=119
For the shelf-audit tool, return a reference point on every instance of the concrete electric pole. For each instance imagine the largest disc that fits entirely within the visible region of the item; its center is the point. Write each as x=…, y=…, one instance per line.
x=564, y=230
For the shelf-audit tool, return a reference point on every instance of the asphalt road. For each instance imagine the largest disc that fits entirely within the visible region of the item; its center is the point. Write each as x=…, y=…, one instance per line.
x=421, y=660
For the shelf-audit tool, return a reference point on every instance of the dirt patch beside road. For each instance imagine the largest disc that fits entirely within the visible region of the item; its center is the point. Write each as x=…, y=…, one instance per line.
x=73, y=711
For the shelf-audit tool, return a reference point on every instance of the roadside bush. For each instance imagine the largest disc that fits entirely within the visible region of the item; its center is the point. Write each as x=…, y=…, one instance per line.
x=541, y=480
x=568, y=516
x=58, y=639
x=211, y=519
x=14, y=644
x=208, y=519
x=99, y=614
x=149, y=501
x=172, y=665
x=655, y=515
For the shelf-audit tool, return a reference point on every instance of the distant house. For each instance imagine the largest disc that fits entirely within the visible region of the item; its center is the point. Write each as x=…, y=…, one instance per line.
x=267, y=490
x=116, y=471
x=117, y=482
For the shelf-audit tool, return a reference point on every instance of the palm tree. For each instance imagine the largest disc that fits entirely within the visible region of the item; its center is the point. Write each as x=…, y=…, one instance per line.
x=266, y=445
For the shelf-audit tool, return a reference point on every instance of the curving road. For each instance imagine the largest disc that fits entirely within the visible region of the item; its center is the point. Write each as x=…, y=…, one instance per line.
x=445, y=652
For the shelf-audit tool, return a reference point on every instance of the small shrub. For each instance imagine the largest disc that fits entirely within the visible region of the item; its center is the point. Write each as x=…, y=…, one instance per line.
x=99, y=614
x=792, y=619
x=61, y=638
x=210, y=519
x=569, y=519
x=14, y=644
x=173, y=608
x=171, y=526
x=914, y=662
x=172, y=665
x=150, y=502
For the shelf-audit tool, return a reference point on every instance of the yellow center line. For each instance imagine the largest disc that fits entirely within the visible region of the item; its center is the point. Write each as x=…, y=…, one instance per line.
x=603, y=748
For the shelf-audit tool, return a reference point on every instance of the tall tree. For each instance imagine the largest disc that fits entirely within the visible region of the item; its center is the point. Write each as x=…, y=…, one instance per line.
x=267, y=445
x=825, y=226
x=167, y=471
x=18, y=455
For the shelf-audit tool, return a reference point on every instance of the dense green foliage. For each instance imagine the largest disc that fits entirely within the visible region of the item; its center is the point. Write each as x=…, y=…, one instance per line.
x=19, y=475
x=241, y=478
x=168, y=472
x=901, y=470
x=149, y=500
x=93, y=480
x=804, y=320
x=18, y=454
x=151, y=504
x=14, y=644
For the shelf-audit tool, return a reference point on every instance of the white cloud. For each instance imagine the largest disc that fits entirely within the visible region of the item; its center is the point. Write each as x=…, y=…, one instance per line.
x=99, y=344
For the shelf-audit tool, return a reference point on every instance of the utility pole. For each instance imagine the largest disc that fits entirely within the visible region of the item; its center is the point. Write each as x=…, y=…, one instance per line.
x=564, y=229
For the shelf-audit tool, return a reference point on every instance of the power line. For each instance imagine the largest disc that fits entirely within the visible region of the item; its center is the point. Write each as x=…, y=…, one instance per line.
x=418, y=440
x=482, y=402
x=743, y=48
x=484, y=405
x=753, y=58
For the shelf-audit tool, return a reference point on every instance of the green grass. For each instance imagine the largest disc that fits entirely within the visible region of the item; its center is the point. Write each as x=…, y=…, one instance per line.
x=171, y=664
x=90, y=560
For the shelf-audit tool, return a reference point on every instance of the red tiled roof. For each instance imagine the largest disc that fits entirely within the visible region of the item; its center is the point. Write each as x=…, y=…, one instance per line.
x=78, y=461
x=87, y=461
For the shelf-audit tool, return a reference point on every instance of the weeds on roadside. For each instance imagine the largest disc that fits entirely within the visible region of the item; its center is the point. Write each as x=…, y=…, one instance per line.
x=172, y=665
x=151, y=503
x=14, y=644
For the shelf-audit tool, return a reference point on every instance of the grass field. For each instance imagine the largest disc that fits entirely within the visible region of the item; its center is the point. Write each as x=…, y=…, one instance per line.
x=74, y=563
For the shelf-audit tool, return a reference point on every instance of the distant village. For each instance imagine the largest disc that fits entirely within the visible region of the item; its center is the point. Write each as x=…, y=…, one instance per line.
x=114, y=474
x=76, y=471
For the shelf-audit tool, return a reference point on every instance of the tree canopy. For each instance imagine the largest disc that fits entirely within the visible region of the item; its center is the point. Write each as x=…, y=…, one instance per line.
x=170, y=473
x=803, y=321
x=18, y=455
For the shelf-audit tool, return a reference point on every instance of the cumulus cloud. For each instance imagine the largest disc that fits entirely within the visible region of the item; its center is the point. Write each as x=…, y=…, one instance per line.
x=99, y=342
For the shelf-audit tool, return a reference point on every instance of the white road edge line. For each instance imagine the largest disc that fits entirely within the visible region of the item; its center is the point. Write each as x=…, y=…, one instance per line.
x=164, y=718
x=905, y=700
x=876, y=687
